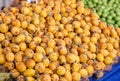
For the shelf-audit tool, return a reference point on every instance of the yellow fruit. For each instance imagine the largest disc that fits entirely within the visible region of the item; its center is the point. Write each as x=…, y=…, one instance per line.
x=37, y=9
x=71, y=58
x=83, y=58
x=77, y=40
x=62, y=79
x=57, y=17
x=62, y=59
x=83, y=72
x=3, y=28
x=30, y=63
x=16, y=23
x=7, y=19
x=18, y=57
x=76, y=76
x=25, y=10
x=15, y=48
x=104, y=52
x=10, y=57
x=40, y=67
x=68, y=76
x=31, y=28
x=61, y=70
x=15, y=30
x=2, y=37
x=53, y=65
x=80, y=9
x=2, y=59
x=46, y=77
x=100, y=57
x=51, y=43
x=108, y=60
x=30, y=79
x=43, y=13
x=20, y=66
x=54, y=77
x=21, y=78
x=53, y=56
x=20, y=38
x=67, y=2
x=37, y=40
x=40, y=49
x=24, y=24
x=76, y=24
x=62, y=50
x=69, y=27
x=113, y=54
x=76, y=67
x=49, y=71
x=98, y=66
x=90, y=69
x=14, y=73
x=22, y=46
x=29, y=53
x=29, y=72
x=9, y=65
x=37, y=57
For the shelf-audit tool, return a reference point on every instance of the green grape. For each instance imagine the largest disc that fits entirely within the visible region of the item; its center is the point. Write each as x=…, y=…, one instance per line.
x=112, y=22
x=114, y=6
x=108, y=21
x=90, y=4
x=113, y=14
x=103, y=19
x=117, y=18
x=104, y=15
x=108, y=10
x=118, y=23
x=95, y=1
x=109, y=17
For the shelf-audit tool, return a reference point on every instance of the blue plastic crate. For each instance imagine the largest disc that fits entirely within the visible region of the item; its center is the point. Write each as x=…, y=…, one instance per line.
x=113, y=75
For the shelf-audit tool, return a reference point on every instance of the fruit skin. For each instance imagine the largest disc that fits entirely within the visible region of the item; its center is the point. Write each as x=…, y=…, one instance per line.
x=29, y=72
x=37, y=57
x=108, y=60
x=30, y=79
x=30, y=63
x=14, y=73
x=100, y=57
x=3, y=28
x=90, y=69
x=45, y=77
x=20, y=66
x=54, y=77
x=68, y=76
x=83, y=72
x=2, y=59
x=10, y=57
x=40, y=67
x=76, y=76
x=61, y=70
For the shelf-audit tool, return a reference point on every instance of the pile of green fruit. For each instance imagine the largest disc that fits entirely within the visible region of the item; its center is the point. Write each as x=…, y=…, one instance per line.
x=108, y=10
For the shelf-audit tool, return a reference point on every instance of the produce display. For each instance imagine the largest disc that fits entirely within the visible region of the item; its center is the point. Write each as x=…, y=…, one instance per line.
x=108, y=10
x=56, y=40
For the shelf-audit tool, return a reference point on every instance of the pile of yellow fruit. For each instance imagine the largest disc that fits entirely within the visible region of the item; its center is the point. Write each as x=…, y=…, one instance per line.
x=55, y=40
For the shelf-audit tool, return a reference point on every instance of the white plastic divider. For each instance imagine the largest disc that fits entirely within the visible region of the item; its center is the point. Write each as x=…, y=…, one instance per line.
x=29, y=1
x=36, y=1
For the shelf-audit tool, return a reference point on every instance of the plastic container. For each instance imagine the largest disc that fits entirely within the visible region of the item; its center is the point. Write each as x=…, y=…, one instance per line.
x=112, y=75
